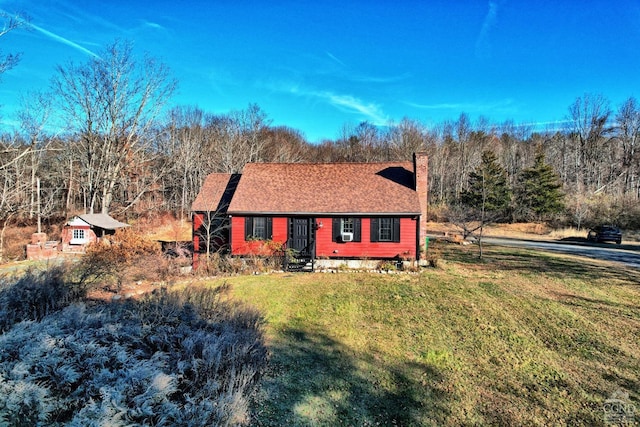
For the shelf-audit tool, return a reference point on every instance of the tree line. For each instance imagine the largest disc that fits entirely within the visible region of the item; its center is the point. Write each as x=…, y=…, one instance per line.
x=103, y=138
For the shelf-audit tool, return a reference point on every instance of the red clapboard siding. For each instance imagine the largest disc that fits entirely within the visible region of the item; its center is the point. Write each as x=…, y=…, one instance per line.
x=198, y=220
x=325, y=248
x=406, y=248
x=239, y=246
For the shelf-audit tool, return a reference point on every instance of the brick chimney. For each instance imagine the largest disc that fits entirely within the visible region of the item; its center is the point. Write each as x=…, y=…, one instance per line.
x=421, y=170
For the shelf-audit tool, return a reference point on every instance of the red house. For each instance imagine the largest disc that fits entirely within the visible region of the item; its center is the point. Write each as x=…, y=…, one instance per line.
x=315, y=210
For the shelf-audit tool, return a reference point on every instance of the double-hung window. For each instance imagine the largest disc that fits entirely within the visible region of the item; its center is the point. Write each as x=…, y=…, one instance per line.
x=348, y=226
x=257, y=227
x=385, y=229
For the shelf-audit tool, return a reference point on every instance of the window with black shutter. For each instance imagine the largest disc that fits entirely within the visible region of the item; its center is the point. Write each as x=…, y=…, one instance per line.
x=385, y=229
x=257, y=228
x=341, y=226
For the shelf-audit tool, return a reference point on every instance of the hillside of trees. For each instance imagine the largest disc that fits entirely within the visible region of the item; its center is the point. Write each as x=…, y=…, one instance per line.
x=105, y=138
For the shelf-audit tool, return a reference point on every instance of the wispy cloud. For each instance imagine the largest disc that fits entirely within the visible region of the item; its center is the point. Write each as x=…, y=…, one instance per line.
x=483, y=44
x=369, y=111
x=469, y=107
x=335, y=59
x=348, y=103
x=374, y=79
x=63, y=40
x=75, y=11
x=347, y=73
x=443, y=106
x=153, y=25
x=554, y=124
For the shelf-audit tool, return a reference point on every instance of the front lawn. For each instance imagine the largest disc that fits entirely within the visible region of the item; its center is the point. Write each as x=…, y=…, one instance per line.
x=522, y=338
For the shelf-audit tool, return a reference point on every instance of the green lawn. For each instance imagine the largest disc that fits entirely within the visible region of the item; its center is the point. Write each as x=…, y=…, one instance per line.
x=522, y=338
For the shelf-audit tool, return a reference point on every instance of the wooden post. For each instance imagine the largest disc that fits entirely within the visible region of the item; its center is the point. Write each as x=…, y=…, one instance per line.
x=39, y=209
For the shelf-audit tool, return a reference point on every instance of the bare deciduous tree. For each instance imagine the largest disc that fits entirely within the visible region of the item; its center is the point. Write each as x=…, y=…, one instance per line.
x=10, y=22
x=14, y=183
x=589, y=117
x=406, y=138
x=34, y=117
x=238, y=138
x=628, y=132
x=185, y=146
x=283, y=145
x=112, y=102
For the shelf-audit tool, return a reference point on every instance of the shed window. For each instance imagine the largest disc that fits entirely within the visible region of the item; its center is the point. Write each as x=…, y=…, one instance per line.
x=78, y=236
x=258, y=227
x=385, y=230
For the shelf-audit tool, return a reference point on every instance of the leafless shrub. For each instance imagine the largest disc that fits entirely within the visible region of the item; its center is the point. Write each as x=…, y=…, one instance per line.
x=37, y=294
x=174, y=358
x=433, y=258
x=127, y=255
x=15, y=239
x=218, y=264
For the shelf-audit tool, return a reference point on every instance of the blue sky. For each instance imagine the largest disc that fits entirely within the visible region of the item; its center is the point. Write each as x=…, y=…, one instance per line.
x=319, y=65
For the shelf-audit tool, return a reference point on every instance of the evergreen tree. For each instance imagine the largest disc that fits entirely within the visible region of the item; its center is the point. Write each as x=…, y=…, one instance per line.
x=487, y=199
x=488, y=187
x=539, y=192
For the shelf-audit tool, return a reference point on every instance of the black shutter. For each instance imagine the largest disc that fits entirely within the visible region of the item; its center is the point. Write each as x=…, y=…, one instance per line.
x=374, y=229
x=335, y=226
x=396, y=230
x=357, y=230
x=248, y=227
x=269, y=228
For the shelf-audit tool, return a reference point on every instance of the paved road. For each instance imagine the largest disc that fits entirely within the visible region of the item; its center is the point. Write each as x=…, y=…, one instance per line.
x=629, y=255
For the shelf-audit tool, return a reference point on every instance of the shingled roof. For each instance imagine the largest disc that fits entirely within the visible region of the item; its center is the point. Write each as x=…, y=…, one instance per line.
x=216, y=192
x=103, y=221
x=385, y=188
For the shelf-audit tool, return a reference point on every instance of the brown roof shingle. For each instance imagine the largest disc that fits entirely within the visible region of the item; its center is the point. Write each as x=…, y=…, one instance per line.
x=216, y=192
x=328, y=188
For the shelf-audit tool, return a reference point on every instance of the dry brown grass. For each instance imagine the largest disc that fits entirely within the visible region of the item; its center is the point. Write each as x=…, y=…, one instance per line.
x=502, y=230
x=15, y=241
x=165, y=227
x=529, y=231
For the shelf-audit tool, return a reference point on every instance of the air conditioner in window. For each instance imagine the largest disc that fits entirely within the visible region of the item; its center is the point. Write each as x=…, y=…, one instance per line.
x=346, y=237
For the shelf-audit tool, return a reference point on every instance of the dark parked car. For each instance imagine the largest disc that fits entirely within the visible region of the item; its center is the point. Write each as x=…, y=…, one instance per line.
x=605, y=233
